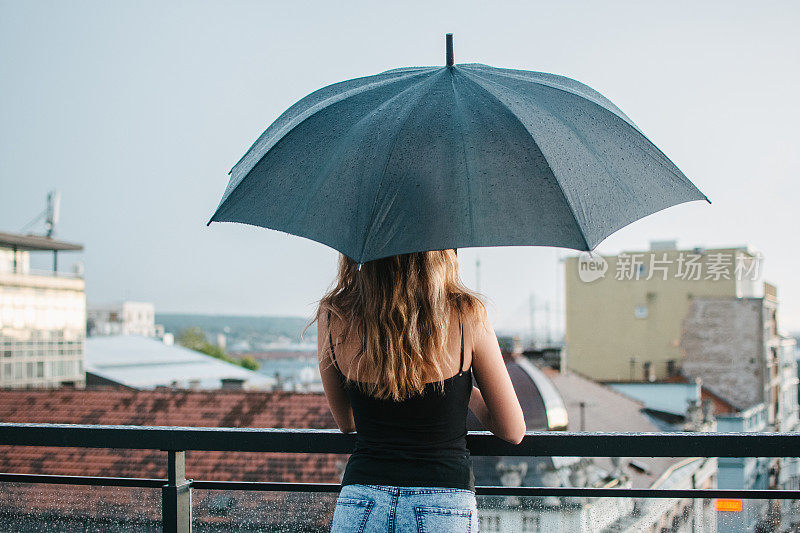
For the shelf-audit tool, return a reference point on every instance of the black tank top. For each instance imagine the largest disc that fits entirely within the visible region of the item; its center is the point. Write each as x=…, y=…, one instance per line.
x=417, y=442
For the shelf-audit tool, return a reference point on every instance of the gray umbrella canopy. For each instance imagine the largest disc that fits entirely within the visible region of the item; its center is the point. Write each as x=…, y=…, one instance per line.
x=465, y=155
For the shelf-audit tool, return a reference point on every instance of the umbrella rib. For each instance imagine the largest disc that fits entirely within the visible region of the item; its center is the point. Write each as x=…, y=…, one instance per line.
x=323, y=104
x=663, y=159
x=287, y=129
x=578, y=135
x=460, y=107
x=344, y=139
x=427, y=81
x=593, y=96
x=555, y=178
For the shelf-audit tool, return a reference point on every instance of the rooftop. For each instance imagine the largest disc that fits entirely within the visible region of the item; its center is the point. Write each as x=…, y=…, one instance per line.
x=218, y=408
x=592, y=406
x=145, y=363
x=32, y=243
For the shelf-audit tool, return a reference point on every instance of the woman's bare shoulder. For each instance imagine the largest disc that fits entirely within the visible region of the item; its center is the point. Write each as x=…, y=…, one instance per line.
x=475, y=319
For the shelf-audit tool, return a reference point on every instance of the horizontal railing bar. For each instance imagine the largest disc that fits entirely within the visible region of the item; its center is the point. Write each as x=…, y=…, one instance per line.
x=589, y=492
x=601, y=492
x=265, y=486
x=535, y=444
x=586, y=492
x=145, y=483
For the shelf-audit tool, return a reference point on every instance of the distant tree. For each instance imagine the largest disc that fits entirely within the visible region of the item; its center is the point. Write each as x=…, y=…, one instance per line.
x=216, y=351
x=195, y=339
x=249, y=363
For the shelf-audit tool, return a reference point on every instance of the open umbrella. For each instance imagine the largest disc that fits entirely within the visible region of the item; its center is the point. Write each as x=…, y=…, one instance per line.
x=431, y=158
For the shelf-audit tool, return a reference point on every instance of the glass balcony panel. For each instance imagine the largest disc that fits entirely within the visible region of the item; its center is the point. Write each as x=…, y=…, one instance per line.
x=252, y=511
x=634, y=515
x=220, y=511
x=44, y=508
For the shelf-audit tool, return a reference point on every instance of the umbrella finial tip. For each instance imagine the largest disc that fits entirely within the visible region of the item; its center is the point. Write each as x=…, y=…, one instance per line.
x=449, y=48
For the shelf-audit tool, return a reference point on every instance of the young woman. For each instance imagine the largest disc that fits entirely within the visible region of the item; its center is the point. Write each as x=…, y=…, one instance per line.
x=399, y=340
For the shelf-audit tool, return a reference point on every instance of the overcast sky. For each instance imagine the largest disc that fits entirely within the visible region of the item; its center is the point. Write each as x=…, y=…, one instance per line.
x=135, y=112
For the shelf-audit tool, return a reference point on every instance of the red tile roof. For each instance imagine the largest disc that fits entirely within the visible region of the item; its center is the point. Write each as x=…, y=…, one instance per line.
x=218, y=408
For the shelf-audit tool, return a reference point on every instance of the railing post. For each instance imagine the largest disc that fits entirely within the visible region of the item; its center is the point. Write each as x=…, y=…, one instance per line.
x=176, y=496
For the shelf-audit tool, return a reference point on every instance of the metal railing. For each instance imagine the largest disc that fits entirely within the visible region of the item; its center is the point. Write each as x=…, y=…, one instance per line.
x=175, y=441
x=44, y=273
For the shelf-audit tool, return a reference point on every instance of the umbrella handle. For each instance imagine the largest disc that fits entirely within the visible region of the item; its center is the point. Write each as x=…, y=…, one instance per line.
x=449, y=47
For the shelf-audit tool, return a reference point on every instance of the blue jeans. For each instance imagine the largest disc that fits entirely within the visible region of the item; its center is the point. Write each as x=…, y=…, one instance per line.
x=386, y=509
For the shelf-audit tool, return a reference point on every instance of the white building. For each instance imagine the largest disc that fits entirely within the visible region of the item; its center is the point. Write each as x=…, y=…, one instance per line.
x=124, y=318
x=139, y=363
x=42, y=316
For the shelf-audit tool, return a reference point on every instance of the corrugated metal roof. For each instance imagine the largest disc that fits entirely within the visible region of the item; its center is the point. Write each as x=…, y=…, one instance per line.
x=146, y=363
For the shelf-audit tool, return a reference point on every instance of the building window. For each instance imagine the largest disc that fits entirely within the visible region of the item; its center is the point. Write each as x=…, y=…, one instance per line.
x=648, y=367
x=489, y=524
x=531, y=524
x=672, y=368
x=40, y=369
x=29, y=370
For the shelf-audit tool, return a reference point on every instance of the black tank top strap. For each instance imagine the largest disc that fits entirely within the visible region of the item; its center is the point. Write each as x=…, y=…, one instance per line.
x=461, y=328
x=330, y=341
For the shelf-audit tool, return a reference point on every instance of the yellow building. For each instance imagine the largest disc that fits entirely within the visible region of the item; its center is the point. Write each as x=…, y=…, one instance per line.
x=624, y=313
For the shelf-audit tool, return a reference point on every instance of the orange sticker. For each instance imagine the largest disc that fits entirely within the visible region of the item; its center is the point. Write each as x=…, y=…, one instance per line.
x=732, y=506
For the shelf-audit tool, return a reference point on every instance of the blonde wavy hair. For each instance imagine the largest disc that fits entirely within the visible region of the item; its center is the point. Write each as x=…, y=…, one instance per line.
x=399, y=308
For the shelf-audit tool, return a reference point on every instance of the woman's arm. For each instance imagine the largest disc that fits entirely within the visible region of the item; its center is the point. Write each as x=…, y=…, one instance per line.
x=331, y=381
x=478, y=407
x=494, y=402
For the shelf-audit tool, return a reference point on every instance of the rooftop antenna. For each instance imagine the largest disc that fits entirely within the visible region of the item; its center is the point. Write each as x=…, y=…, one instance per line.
x=49, y=215
x=53, y=210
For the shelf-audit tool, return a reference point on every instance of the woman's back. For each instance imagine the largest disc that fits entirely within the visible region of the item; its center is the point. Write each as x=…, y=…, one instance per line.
x=400, y=341
x=418, y=441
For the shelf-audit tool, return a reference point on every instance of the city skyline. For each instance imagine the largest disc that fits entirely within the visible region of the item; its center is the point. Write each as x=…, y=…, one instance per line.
x=144, y=115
